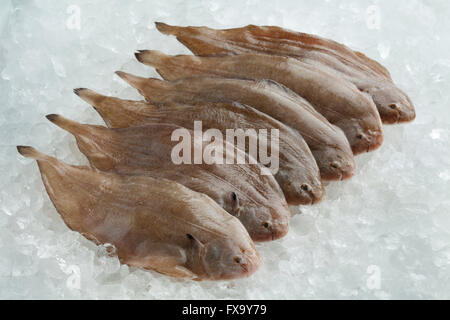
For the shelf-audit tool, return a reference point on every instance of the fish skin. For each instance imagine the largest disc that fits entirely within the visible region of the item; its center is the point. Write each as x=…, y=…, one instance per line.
x=240, y=189
x=154, y=224
x=336, y=99
x=368, y=75
x=327, y=142
x=298, y=176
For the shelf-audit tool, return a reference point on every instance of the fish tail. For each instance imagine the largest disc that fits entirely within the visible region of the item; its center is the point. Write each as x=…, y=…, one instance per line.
x=88, y=137
x=164, y=28
x=153, y=58
x=197, y=39
x=73, y=127
x=91, y=97
x=111, y=109
x=104, y=105
x=150, y=88
x=168, y=67
x=132, y=80
x=30, y=152
x=139, y=83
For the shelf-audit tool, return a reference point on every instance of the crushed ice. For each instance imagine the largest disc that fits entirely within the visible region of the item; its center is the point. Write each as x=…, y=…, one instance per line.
x=383, y=234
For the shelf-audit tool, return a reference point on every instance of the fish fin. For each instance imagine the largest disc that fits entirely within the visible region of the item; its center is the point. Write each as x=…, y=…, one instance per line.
x=134, y=81
x=185, y=35
x=197, y=246
x=85, y=135
x=195, y=242
x=69, y=125
x=112, y=110
x=164, y=28
x=90, y=96
x=100, y=103
x=30, y=152
x=374, y=64
x=163, y=258
x=180, y=272
x=148, y=87
x=164, y=65
x=152, y=58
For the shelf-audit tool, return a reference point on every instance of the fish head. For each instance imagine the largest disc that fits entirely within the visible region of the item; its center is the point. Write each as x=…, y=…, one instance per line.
x=304, y=187
x=393, y=104
x=264, y=221
x=364, y=134
x=229, y=258
x=336, y=162
x=364, y=129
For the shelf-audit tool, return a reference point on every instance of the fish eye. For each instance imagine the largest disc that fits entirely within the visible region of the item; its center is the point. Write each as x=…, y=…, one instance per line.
x=334, y=164
x=359, y=136
x=266, y=224
x=305, y=187
x=393, y=106
x=237, y=259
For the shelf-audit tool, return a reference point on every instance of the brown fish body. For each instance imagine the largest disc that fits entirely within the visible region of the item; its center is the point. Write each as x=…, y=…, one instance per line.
x=337, y=99
x=298, y=174
x=240, y=189
x=154, y=223
x=327, y=142
x=393, y=105
x=367, y=74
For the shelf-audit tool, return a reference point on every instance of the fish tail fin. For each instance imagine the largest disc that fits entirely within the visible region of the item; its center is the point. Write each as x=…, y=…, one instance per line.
x=166, y=29
x=139, y=83
x=91, y=97
x=150, y=88
x=71, y=126
x=104, y=105
x=86, y=134
x=196, y=39
x=153, y=58
x=30, y=152
x=116, y=112
x=131, y=79
x=168, y=67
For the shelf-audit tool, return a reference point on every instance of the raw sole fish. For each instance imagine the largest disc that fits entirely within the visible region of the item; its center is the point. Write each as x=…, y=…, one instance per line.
x=368, y=75
x=335, y=98
x=298, y=175
x=153, y=223
x=327, y=142
x=255, y=199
